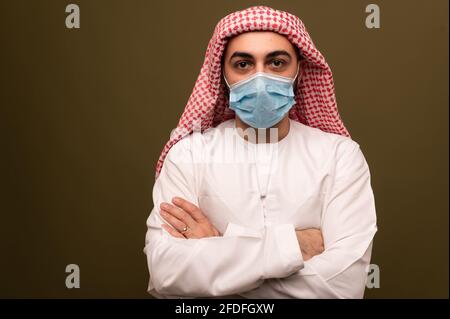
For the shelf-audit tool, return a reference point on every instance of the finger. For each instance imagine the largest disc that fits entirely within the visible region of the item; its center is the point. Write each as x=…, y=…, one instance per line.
x=179, y=213
x=190, y=208
x=172, y=232
x=173, y=221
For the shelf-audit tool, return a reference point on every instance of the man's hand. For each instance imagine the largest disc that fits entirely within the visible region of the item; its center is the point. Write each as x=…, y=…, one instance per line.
x=187, y=220
x=186, y=214
x=310, y=241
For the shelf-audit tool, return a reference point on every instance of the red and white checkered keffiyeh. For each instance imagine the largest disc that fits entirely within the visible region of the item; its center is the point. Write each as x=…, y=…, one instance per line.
x=315, y=104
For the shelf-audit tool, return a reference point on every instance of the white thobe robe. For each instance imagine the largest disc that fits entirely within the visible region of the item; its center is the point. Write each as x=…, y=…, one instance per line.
x=257, y=195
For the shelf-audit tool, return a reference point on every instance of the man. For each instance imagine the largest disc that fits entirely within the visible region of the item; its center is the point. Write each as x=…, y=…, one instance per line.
x=293, y=216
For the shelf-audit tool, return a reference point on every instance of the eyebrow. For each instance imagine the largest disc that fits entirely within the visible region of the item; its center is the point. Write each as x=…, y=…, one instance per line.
x=269, y=55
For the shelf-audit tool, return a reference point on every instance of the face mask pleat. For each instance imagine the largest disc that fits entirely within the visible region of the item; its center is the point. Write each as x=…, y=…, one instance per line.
x=263, y=99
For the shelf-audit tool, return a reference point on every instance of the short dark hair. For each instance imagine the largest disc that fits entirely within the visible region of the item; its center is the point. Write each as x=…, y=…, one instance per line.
x=297, y=51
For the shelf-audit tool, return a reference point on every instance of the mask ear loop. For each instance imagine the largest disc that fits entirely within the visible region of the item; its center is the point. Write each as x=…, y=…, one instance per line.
x=223, y=74
x=298, y=69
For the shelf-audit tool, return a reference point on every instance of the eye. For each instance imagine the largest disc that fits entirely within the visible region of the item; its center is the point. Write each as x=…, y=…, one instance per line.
x=241, y=64
x=277, y=63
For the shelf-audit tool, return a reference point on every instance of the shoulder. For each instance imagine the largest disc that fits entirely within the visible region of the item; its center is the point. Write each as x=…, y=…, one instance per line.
x=196, y=143
x=322, y=141
x=339, y=152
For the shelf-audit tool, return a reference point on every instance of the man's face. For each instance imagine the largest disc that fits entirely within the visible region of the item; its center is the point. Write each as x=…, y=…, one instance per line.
x=261, y=51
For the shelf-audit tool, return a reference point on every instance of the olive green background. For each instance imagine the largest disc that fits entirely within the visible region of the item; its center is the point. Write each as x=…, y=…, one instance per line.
x=85, y=113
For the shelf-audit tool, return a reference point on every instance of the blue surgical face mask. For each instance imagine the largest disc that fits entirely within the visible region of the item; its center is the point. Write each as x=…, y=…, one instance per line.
x=263, y=99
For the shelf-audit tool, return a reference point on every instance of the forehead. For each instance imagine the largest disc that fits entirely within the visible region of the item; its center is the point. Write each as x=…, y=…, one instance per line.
x=259, y=43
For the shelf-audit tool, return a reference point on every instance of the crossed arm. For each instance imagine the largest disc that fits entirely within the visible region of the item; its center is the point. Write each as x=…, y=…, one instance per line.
x=275, y=263
x=186, y=220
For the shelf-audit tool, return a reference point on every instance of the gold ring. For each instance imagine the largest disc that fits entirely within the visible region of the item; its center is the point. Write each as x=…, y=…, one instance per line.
x=185, y=228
